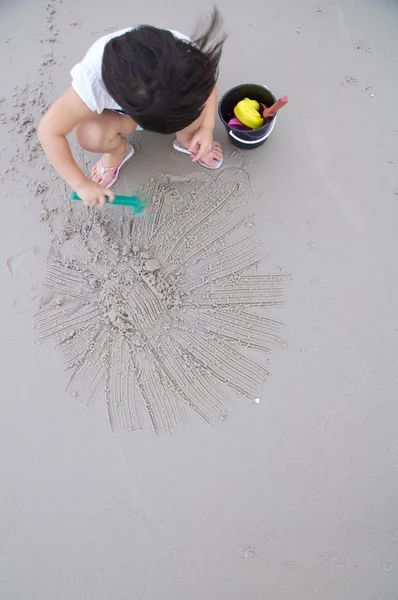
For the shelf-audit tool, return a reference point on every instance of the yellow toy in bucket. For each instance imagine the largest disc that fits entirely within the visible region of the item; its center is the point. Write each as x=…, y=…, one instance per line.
x=248, y=113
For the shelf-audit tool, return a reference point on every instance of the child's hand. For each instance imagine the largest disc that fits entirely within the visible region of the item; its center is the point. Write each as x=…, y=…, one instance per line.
x=93, y=194
x=201, y=143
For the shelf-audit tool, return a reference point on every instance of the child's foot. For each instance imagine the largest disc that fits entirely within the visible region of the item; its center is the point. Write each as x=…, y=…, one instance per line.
x=106, y=171
x=212, y=160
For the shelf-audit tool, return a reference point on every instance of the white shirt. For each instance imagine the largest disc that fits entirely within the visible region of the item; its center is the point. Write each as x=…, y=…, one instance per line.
x=87, y=75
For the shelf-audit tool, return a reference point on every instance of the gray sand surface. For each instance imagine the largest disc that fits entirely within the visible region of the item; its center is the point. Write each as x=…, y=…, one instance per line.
x=292, y=495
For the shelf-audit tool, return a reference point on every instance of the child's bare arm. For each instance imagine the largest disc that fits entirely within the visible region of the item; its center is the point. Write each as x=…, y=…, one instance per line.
x=59, y=120
x=203, y=138
x=209, y=113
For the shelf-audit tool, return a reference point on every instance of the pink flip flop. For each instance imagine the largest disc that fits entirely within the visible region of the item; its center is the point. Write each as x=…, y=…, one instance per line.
x=128, y=155
x=180, y=148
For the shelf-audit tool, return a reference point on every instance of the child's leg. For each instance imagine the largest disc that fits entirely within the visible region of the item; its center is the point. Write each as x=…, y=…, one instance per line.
x=185, y=136
x=103, y=134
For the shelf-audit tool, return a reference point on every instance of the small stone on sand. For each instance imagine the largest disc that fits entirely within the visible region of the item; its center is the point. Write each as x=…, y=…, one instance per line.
x=152, y=265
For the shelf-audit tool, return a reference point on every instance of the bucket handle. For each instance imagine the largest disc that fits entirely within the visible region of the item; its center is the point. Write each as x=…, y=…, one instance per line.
x=259, y=140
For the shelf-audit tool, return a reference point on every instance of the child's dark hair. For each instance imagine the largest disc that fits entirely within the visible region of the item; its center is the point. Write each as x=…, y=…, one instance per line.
x=160, y=81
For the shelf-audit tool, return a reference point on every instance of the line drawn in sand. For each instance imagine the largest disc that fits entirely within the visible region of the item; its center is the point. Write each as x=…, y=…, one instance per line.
x=163, y=314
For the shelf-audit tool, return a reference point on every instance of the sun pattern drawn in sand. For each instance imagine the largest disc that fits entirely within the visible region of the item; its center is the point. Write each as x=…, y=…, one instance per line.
x=167, y=314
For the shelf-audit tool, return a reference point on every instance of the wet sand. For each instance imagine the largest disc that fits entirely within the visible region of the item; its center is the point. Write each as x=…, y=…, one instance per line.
x=293, y=493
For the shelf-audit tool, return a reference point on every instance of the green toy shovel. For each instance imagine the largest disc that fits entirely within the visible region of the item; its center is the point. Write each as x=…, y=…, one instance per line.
x=137, y=202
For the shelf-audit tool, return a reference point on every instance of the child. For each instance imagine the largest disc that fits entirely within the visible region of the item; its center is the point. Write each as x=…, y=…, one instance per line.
x=144, y=77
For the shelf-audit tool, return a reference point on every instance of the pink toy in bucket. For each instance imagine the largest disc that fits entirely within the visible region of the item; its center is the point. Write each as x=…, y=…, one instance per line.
x=238, y=124
x=272, y=110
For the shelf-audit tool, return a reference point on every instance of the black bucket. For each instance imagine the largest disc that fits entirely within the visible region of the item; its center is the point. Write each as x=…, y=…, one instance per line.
x=251, y=138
